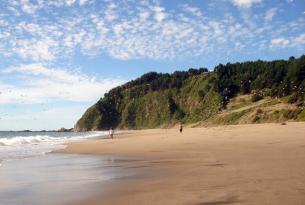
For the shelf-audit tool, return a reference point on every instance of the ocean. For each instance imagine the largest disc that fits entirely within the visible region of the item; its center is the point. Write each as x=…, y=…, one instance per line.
x=19, y=145
x=29, y=176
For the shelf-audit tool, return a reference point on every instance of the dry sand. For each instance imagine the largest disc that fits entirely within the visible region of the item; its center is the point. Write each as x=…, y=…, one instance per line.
x=244, y=164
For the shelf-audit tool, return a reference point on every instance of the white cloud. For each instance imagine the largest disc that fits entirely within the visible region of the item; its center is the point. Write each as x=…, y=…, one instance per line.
x=70, y=2
x=292, y=42
x=134, y=30
x=299, y=40
x=143, y=15
x=160, y=14
x=247, y=16
x=27, y=7
x=48, y=117
x=282, y=42
x=82, y=2
x=245, y=3
x=192, y=10
x=36, y=50
x=239, y=46
x=270, y=14
x=110, y=13
x=41, y=84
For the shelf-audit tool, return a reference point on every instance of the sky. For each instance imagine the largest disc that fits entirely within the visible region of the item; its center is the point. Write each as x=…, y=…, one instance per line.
x=58, y=57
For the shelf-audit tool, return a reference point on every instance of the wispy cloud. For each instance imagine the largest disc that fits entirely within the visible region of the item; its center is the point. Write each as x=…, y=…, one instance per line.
x=47, y=118
x=130, y=29
x=270, y=14
x=39, y=84
x=40, y=32
x=245, y=3
x=285, y=42
x=299, y=40
x=282, y=42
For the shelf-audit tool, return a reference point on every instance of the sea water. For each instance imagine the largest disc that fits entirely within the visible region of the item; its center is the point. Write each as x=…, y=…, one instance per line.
x=18, y=145
x=29, y=176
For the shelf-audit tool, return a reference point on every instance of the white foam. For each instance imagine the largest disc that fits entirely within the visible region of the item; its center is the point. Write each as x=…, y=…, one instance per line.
x=27, y=146
x=34, y=140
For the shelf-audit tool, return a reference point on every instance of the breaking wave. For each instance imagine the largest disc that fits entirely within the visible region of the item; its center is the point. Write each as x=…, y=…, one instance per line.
x=20, y=145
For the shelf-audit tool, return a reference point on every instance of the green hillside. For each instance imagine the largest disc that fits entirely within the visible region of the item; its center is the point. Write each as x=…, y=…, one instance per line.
x=249, y=92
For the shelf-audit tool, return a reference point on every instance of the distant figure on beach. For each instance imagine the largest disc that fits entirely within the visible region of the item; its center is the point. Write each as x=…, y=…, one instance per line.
x=111, y=133
x=181, y=127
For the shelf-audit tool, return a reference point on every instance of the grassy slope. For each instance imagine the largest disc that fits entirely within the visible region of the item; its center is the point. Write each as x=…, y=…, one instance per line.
x=241, y=110
x=200, y=107
x=152, y=110
x=194, y=101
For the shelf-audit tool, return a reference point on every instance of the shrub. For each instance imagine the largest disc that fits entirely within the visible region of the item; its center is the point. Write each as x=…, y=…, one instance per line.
x=276, y=112
x=256, y=119
x=201, y=94
x=302, y=115
x=242, y=100
x=256, y=97
x=259, y=111
x=292, y=98
x=291, y=114
x=266, y=92
x=233, y=118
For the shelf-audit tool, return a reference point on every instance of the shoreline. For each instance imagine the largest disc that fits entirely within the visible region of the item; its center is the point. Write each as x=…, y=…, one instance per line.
x=56, y=178
x=240, y=164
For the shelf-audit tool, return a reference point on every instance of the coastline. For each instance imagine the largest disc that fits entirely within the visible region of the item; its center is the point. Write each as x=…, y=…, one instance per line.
x=30, y=175
x=240, y=164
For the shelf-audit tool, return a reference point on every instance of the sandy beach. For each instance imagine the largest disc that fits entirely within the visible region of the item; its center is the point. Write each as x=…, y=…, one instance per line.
x=242, y=164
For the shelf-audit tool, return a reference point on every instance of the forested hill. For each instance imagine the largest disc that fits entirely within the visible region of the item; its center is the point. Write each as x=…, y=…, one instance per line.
x=249, y=92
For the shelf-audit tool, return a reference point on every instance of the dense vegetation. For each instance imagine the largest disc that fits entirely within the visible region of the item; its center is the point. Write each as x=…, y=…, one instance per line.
x=162, y=99
x=277, y=79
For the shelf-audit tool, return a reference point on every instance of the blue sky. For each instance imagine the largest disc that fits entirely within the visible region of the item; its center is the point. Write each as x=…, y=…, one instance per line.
x=58, y=57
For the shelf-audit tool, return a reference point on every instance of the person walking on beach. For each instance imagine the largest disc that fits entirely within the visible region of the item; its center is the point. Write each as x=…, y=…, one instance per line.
x=111, y=133
x=181, y=127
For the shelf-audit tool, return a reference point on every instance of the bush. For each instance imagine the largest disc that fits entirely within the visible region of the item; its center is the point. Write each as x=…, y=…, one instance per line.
x=259, y=111
x=291, y=114
x=266, y=92
x=242, y=100
x=256, y=119
x=292, y=98
x=302, y=115
x=276, y=112
x=256, y=97
x=300, y=103
x=201, y=94
x=233, y=118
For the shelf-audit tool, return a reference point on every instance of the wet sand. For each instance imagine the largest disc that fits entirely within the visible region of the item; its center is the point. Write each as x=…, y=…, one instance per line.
x=57, y=179
x=243, y=164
